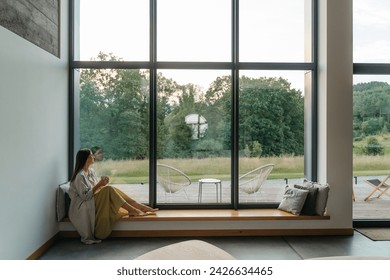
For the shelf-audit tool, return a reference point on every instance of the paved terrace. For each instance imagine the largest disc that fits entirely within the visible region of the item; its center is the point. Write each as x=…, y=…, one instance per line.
x=271, y=191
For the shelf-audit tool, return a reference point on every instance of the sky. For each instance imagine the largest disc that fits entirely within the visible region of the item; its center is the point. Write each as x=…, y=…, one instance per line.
x=371, y=37
x=199, y=30
x=371, y=31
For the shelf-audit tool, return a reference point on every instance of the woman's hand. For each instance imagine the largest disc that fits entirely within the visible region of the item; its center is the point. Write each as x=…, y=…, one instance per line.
x=101, y=184
x=105, y=180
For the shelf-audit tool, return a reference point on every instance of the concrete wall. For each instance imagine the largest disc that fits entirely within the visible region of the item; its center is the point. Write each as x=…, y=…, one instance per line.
x=33, y=141
x=37, y=21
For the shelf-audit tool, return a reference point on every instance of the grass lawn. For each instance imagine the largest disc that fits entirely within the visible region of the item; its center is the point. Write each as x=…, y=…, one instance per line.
x=384, y=140
x=137, y=171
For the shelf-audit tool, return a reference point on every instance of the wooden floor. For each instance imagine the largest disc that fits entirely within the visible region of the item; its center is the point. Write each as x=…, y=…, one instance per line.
x=373, y=208
x=272, y=191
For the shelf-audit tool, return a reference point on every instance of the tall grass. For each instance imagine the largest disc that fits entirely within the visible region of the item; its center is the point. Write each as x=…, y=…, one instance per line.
x=384, y=140
x=371, y=165
x=136, y=171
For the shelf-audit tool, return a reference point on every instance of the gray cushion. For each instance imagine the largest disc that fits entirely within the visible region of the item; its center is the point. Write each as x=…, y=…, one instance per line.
x=322, y=195
x=63, y=201
x=293, y=200
x=309, y=208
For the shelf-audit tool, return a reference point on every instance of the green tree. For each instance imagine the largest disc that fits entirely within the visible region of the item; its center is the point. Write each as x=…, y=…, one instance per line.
x=218, y=89
x=179, y=140
x=114, y=115
x=218, y=111
x=166, y=89
x=253, y=149
x=92, y=114
x=114, y=111
x=370, y=101
x=271, y=113
x=373, y=147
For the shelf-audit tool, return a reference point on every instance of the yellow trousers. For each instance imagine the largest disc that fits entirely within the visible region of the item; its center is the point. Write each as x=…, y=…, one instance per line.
x=108, y=202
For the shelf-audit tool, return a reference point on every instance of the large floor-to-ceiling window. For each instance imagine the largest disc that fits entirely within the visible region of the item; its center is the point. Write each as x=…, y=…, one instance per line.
x=196, y=103
x=371, y=109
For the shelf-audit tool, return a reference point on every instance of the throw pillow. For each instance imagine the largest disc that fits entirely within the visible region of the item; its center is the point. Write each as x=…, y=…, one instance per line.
x=63, y=201
x=322, y=195
x=309, y=208
x=293, y=200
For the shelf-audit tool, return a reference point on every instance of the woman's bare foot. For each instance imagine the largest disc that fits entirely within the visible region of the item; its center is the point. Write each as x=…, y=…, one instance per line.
x=134, y=212
x=137, y=214
x=146, y=208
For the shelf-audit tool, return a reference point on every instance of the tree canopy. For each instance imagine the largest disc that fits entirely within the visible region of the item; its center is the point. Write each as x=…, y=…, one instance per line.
x=371, y=108
x=114, y=115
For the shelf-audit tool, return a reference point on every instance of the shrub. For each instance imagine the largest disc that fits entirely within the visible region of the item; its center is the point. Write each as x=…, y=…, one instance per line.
x=372, y=126
x=253, y=150
x=373, y=147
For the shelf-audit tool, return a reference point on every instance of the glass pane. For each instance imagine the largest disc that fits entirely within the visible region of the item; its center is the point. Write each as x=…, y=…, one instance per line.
x=371, y=146
x=272, y=31
x=120, y=27
x=114, y=119
x=194, y=30
x=271, y=134
x=193, y=141
x=371, y=22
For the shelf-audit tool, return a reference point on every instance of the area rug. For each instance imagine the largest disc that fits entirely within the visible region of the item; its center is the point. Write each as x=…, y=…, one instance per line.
x=187, y=250
x=376, y=234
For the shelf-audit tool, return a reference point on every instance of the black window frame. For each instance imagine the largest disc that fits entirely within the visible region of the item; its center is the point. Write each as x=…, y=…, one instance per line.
x=377, y=68
x=311, y=99
x=371, y=69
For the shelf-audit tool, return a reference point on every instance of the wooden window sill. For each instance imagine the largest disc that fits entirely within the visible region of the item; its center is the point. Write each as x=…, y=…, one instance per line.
x=220, y=215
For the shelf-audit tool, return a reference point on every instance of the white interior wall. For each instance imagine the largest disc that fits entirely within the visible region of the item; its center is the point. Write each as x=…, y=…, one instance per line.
x=33, y=141
x=335, y=106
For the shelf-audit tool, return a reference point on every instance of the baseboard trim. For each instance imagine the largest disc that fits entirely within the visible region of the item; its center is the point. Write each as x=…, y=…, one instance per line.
x=41, y=250
x=198, y=233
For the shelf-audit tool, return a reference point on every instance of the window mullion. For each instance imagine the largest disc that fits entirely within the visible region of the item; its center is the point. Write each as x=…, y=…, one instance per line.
x=153, y=105
x=235, y=98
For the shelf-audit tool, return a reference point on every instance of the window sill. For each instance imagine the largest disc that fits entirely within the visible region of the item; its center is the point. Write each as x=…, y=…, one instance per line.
x=220, y=215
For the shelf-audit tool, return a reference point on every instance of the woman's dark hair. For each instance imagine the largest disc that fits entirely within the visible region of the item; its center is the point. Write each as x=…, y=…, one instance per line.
x=81, y=159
